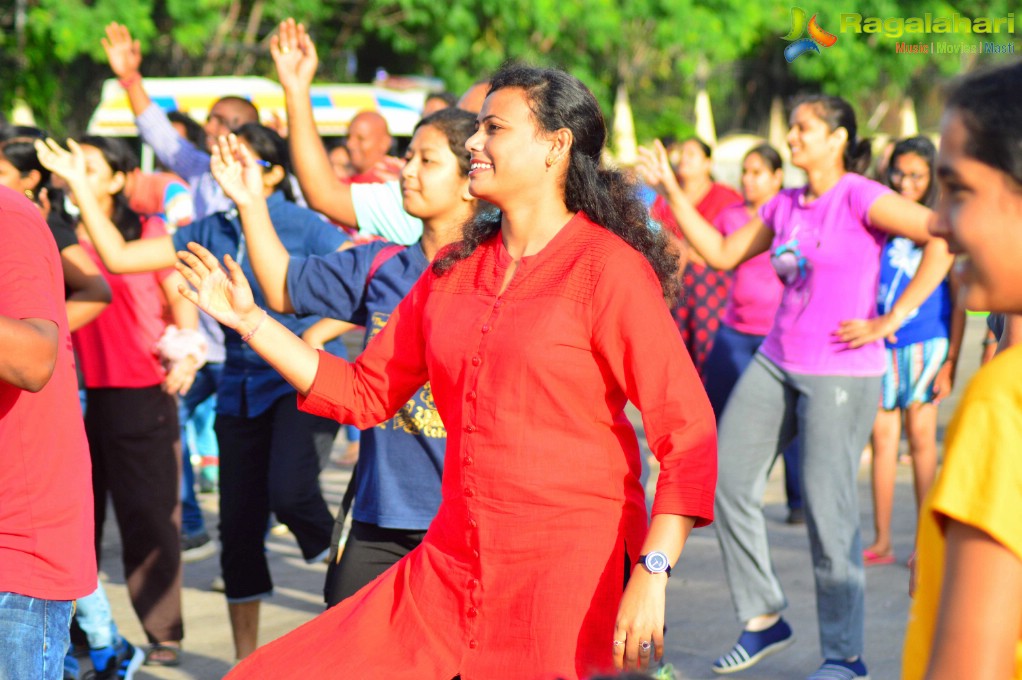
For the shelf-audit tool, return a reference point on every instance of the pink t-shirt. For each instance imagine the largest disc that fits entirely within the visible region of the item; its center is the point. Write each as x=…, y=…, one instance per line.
x=842, y=268
x=46, y=514
x=118, y=349
x=755, y=288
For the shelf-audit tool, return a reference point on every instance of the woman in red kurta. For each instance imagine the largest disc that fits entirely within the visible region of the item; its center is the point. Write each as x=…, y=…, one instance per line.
x=534, y=333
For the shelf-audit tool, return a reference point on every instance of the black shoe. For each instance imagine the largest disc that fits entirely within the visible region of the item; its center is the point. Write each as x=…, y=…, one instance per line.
x=796, y=516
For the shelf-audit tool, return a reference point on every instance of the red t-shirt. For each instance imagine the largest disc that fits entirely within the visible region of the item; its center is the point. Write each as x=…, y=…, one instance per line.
x=118, y=349
x=46, y=514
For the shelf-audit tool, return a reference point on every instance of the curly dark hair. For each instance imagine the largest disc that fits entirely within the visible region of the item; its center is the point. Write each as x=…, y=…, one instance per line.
x=608, y=197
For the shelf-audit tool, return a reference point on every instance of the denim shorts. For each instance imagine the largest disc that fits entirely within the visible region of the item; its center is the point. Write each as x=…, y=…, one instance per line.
x=36, y=636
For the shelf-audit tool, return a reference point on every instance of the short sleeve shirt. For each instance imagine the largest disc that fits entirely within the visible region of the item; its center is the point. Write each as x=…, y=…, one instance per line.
x=46, y=514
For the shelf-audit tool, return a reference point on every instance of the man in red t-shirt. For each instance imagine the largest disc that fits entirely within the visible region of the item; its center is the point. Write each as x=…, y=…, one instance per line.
x=47, y=557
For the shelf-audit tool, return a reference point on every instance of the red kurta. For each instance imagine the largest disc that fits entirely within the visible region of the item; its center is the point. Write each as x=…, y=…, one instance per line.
x=521, y=572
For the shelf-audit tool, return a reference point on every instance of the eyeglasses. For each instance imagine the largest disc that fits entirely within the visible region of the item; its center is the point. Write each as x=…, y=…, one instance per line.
x=791, y=265
x=230, y=124
x=898, y=175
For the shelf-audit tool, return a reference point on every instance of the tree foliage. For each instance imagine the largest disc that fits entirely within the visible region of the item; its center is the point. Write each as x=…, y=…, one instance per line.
x=662, y=50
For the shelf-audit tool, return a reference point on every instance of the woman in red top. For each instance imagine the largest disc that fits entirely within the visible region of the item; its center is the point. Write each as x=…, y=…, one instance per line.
x=534, y=332
x=704, y=290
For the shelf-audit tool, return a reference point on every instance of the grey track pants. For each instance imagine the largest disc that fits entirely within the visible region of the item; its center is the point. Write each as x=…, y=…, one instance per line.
x=833, y=416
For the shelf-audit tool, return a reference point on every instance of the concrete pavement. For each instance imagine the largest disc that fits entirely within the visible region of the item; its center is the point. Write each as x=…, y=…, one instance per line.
x=700, y=618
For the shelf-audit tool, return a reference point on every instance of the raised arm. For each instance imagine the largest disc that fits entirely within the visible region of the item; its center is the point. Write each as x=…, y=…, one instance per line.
x=177, y=153
x=242, y=180
x=90, y=293
x=295, y=57
x=227, y=297
x=719, y=251
x=125, y=57
x=119, y=256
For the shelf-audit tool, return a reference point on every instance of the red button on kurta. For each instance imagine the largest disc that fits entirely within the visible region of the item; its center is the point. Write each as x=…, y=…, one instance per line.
x=555, y=474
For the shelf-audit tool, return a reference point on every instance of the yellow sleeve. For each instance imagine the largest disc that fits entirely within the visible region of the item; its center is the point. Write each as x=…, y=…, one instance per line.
x=981, y=482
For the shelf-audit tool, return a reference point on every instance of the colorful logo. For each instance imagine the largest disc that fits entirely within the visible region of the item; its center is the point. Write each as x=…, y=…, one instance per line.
x=817, y=36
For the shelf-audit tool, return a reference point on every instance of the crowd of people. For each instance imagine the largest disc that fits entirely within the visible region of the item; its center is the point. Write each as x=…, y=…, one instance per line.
x=516, y=293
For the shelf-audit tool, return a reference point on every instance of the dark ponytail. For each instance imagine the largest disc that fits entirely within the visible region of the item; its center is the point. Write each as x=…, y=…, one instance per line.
x=119, y=156
x=610, y=199
x=838, y=113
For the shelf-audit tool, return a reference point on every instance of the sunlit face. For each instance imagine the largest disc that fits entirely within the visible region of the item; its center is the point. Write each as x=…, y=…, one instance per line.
x=759, y=181
x=224, y=118
x=692, y=162
x=979, y=214
x=431, y=180
x=368, y=142
x=811, y=140
x=508, y=150
x=11, y=178
x=910, y=176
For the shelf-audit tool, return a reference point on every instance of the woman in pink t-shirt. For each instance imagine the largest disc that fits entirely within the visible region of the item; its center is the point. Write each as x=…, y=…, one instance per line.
x=751, y=305
x=825, y=240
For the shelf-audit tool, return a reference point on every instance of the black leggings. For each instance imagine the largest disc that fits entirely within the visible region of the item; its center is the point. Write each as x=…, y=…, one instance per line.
x=369, y=551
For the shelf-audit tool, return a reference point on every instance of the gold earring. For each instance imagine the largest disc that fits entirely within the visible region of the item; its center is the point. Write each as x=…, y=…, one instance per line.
x=549, y=161
x=29, y=194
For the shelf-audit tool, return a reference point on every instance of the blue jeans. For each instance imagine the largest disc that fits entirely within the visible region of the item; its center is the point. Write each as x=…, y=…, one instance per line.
x=35, y=637
x=196, y=413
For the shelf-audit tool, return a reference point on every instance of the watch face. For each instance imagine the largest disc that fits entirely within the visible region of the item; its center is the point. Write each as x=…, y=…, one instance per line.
x=657, y=562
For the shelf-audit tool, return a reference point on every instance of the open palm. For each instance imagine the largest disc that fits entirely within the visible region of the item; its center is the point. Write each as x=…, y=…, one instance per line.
x=236, y=171
x=223, y=294
x=68, y=165
x=294, y=55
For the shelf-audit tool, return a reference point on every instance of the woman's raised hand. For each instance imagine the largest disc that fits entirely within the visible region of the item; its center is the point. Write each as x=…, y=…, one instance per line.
x=223, y=294
x=295, y=56
x=69, y=165
x=237, y=172
x=654, y=168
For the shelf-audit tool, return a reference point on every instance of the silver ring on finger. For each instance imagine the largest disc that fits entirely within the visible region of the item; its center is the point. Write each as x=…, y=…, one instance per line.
x=645, y=646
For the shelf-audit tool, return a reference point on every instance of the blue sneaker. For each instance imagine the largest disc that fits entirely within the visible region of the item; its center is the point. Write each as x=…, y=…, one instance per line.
x=752, y=647
x=119, y=665
x=839, y=669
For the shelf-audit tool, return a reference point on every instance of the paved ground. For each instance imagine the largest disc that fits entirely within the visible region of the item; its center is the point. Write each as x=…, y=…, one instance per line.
x=700, y=619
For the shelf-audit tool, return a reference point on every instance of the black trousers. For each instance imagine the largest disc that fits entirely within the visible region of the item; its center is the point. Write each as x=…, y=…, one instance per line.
x=369, y=551
x=134, y=440
x=268, y=463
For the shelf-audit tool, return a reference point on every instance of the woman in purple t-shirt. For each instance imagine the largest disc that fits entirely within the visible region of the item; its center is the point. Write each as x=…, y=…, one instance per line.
x=825, y=240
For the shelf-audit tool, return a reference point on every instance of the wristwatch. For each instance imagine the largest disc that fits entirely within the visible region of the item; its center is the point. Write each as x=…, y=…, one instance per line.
x=656, y=563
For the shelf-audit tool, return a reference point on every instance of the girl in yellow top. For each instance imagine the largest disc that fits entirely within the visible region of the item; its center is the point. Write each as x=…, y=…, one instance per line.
x=966, y=620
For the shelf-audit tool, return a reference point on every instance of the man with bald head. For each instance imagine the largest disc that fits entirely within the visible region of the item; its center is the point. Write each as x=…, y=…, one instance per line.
x=369, y=142
x=472, y=100
x=176, y=153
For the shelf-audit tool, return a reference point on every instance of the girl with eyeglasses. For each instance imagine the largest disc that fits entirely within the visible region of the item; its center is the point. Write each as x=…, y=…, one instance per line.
x=922, y=358
x=825, y=239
